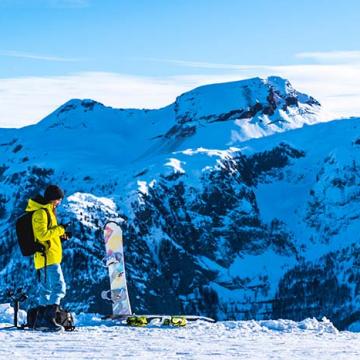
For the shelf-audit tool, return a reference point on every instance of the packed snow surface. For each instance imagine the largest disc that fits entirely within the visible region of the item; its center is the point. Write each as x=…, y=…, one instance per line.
x=98, y=339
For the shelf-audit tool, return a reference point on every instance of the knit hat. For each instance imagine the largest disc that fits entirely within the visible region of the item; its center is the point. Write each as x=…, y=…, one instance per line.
x=53, y=192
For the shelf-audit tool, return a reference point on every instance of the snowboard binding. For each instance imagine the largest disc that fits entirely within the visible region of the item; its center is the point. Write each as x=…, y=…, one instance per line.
x=178, y=321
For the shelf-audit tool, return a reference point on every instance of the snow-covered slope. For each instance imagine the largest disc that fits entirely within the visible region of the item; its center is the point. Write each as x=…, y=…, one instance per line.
x=83, y=132
x=266, y=339
x=219, y=217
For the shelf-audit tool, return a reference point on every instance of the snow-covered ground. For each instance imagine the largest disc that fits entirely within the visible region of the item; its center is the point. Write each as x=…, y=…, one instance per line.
x=266, y=339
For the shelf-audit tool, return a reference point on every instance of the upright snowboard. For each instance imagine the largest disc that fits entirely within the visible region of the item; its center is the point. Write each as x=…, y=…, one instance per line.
x=118, y=293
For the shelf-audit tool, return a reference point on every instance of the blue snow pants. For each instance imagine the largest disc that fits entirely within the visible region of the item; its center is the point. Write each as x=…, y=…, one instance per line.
x=53, y=289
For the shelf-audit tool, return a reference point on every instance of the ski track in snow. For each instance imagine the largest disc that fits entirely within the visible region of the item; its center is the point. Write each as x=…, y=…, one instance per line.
x=281, y=339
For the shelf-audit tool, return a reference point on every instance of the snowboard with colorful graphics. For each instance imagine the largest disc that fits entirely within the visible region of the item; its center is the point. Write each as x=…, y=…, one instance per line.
x=118, y=293
x=114, y=260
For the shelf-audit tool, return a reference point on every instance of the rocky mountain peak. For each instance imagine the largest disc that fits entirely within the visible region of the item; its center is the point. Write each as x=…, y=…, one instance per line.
x=229, y=113
x=240, y=100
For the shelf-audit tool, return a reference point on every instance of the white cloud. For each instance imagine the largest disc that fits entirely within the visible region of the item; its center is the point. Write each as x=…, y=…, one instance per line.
x=27, y=100
x=204, y=65
x=331, y=56
x=25, y=55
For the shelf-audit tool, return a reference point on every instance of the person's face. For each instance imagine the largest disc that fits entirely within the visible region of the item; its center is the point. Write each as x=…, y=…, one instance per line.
x=56, y=202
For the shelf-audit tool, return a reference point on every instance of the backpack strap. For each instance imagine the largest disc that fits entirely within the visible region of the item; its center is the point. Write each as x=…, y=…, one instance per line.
x=48, y=216
x=43, y=253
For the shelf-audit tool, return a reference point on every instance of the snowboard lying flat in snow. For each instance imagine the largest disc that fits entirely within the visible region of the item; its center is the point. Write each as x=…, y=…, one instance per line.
x=159, y=319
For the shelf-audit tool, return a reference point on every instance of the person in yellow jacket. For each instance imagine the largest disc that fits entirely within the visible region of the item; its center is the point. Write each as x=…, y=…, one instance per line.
x=49, y=234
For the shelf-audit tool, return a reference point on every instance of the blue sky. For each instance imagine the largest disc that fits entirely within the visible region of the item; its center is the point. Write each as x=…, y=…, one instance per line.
x=144, y=53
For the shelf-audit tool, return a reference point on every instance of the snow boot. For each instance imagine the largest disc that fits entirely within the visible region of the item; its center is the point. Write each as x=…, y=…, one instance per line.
x=47, y=322
x=35, y=315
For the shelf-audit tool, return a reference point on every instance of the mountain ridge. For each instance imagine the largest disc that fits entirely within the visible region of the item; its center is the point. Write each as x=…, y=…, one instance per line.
x=233, y=228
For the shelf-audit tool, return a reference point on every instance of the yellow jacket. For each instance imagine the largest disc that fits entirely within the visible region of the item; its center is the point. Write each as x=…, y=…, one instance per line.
x=50, y=237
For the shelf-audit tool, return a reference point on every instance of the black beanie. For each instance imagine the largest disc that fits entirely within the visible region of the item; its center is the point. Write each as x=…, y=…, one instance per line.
x=53, y=192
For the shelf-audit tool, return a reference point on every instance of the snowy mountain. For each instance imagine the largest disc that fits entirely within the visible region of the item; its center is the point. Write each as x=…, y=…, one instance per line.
x=225, y=211
x=212, y=116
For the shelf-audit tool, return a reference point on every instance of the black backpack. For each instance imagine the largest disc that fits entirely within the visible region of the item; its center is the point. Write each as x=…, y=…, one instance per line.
x=25, y=234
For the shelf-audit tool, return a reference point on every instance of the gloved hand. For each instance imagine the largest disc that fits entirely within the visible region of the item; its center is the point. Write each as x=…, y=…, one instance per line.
x=66, y=225
x=66, y=236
